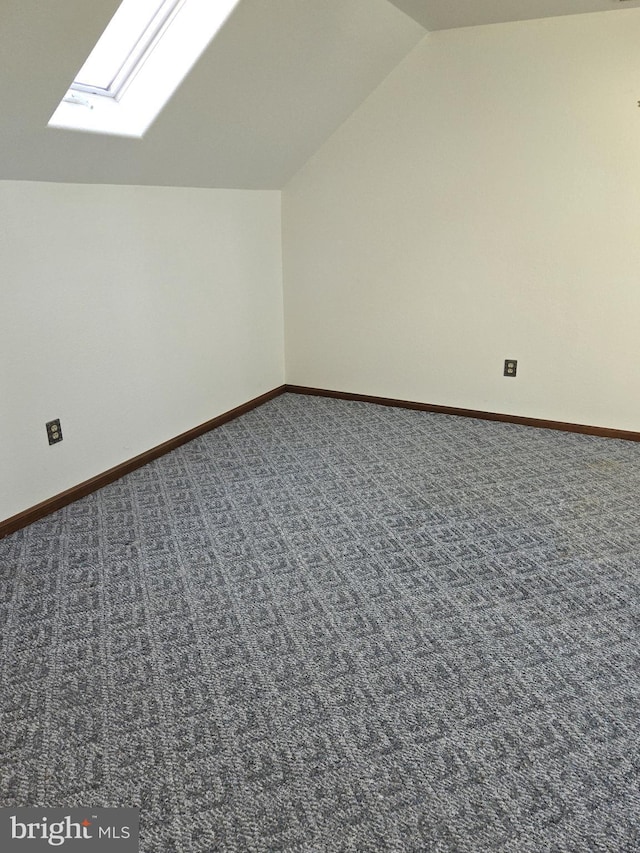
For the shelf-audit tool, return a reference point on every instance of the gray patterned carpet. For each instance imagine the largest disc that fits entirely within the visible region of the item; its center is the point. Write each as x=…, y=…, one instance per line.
x=332, y=626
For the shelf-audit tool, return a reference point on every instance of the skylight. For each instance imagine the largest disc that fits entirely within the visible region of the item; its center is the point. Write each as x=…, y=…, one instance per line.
x=130, y=33
x=139, y=61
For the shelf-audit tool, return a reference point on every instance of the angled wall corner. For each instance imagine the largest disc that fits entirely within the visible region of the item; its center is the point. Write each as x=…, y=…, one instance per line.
x=479, y=205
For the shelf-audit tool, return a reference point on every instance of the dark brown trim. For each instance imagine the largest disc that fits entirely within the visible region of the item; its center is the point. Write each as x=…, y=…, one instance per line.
x=604, y=432
x=28, y=516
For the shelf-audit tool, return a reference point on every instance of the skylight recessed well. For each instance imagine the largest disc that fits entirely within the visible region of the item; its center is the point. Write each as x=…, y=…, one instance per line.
x=137, y=64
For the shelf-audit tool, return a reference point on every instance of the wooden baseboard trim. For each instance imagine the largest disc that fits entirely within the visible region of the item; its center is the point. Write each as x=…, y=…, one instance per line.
x=603, y=432
x=28, y=516
x=34, y=513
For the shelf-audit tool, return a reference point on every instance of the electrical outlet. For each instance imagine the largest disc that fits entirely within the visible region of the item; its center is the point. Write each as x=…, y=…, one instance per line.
x=510, y=366
x=54, y=432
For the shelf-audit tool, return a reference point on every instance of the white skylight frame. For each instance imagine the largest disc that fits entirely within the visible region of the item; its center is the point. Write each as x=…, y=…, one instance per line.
x=132, y=32
x=153, y=65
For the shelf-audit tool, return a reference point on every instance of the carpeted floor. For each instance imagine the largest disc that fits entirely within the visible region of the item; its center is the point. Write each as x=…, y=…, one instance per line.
x=332, y=626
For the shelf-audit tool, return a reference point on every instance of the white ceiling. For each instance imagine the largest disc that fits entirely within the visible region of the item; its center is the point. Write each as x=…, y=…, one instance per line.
x=278, y=79
x=451, y=14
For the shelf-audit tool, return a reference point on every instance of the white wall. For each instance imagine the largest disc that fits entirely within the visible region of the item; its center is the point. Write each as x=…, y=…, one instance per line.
x=482, y=204
x=132, y=314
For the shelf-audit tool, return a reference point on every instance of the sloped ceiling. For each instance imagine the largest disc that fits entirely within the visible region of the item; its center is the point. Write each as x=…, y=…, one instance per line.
x=451, y=14
x=277, y=80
